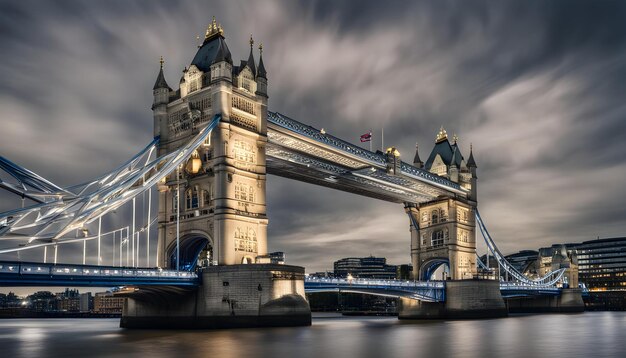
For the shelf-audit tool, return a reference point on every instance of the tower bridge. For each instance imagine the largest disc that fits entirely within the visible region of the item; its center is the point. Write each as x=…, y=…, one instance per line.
x=214, y=143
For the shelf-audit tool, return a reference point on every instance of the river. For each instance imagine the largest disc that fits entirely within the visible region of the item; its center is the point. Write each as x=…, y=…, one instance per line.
x=590, y=334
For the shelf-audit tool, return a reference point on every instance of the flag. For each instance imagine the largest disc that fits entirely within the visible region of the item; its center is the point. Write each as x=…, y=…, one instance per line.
x=367, y=137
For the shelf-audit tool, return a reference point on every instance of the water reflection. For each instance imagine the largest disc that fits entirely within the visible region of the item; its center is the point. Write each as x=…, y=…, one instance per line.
x=597, y=334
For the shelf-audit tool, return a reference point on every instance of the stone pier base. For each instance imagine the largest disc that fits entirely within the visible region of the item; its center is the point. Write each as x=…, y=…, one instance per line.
x=570, y=300
x=464, y=299
x=233, y=296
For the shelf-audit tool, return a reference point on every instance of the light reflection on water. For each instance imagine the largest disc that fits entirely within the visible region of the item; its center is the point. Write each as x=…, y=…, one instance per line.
x=592, y=334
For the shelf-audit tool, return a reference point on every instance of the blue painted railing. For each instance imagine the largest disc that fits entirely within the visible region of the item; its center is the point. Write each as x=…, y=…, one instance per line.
x=40, y=274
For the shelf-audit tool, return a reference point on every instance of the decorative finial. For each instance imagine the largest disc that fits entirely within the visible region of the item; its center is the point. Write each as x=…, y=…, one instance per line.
x=441, y=136
x=161, y=62
x=455, y=138
x=471, y=147
x=261, y=48
x=322, y=131
x=251, y=41
x=213, y=29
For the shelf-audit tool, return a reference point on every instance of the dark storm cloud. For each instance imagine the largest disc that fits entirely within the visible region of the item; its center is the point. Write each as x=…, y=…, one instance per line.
x=537, y=87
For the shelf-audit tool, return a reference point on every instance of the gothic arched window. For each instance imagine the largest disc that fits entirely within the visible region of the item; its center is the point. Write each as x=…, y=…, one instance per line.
x=437, y=238
x=435, y=216
x=174, y=201
x=192, y=198
x=206, y=198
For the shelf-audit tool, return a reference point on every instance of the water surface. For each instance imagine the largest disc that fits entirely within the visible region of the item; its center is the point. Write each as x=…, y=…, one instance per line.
x=591, y=334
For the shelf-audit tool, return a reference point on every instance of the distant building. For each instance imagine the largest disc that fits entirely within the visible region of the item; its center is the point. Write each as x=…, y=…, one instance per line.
x=71, y=304
x=106, y=302
x=523, y=261
x=277, y=257
x=43, y=301
x=602, y=264
x=365, y=267
x=86, y=302
x=404, y=272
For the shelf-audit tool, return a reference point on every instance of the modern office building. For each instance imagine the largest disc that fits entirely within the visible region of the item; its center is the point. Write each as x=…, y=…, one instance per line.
x=365, y=267
x=602, y=264
x=86, y=302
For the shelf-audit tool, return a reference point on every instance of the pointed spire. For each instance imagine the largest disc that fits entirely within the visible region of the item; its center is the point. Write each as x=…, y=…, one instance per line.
x=454, y=158
x=417, y=161
x=160, y=81
x=471, y=163
x=250, y=62
x=261, y=72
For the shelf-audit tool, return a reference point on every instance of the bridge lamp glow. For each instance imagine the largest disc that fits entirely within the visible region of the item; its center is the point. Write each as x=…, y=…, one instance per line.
x=194, y=163
x=394, y=151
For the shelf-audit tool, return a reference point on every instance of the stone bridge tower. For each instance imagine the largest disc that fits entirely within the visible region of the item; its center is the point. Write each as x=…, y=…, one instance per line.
x=221, y=208
x=445, y=232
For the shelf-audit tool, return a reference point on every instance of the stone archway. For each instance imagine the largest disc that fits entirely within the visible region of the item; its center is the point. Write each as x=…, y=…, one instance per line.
x=196, y=250
x=431, y=265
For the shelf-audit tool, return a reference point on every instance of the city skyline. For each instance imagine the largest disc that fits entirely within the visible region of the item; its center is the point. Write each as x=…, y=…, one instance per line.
x=535, y=110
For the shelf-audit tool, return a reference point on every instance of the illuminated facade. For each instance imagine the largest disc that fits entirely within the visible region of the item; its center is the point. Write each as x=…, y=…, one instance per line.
x=106, y=302
x=602, y=264
x=222, y=210
x=443, y=230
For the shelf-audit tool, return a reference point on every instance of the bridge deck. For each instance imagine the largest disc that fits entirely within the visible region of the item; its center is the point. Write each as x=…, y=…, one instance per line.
x=40, y=274
x=46, y=274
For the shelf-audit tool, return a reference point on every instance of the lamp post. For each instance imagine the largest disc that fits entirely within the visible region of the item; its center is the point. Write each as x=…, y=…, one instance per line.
x=178, y=218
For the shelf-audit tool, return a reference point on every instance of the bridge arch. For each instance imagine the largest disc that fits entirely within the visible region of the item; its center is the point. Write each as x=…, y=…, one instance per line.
x=431, y=265
x=196, y=250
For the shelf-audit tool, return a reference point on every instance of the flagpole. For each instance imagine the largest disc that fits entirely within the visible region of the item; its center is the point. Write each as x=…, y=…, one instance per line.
x=382, y=139
x=370, y=141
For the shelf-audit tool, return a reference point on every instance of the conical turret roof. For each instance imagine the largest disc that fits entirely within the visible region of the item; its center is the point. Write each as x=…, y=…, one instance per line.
x=261, y=72
x=160, y=81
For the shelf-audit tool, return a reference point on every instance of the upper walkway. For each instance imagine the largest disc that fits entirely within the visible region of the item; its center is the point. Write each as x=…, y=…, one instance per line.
x=301, y=152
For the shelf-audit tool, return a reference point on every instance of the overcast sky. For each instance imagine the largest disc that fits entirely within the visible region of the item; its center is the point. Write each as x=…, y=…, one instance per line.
x=537, y=87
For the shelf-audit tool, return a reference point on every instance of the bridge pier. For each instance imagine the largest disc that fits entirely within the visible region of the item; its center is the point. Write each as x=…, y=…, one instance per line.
x=569, y=301
x=464, y=299
x=233, y=296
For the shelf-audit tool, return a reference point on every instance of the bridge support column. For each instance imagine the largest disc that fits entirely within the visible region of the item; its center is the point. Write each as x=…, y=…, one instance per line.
x=232, y=296
x=569, y=301
x=464, y=299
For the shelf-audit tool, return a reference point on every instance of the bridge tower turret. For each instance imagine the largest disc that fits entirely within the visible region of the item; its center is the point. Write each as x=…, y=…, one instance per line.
x=161, y=93
x=261, y=77
x=222, y=217
x=417, y=162
x=471, y=166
